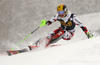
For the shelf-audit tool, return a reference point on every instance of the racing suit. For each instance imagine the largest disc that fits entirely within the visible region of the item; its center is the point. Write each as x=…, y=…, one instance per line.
x=68, y=23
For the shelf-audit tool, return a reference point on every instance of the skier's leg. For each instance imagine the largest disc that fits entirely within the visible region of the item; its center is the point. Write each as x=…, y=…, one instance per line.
x=54, y=32
x=68, y=35
x=51, y=35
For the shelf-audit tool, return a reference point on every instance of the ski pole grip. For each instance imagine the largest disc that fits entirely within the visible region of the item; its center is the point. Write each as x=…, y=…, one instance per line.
x=43, y=23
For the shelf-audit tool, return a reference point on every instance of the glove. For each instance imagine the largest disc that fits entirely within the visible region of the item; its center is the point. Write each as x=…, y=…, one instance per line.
x=48, y=22
x=89, y=35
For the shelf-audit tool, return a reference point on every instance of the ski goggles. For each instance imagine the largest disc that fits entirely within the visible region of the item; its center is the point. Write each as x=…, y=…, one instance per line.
x=61, y=12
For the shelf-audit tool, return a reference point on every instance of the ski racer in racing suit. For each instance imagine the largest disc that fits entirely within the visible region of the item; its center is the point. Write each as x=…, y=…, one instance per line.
x=68, y=22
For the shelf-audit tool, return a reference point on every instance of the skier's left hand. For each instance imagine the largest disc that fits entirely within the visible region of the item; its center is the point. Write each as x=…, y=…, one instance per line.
x=89, y=35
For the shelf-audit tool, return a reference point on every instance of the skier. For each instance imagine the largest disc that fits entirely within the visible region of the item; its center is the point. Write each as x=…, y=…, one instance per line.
x=68, y=22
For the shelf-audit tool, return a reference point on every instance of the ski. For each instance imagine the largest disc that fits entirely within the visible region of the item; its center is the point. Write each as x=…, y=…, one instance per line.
x=31, y=47
x=55, y=45
x=34, y=47
x=13, y=52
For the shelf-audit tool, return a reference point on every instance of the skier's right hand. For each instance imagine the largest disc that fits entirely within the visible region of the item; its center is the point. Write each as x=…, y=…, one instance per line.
x=48, y=22
x=43, y=23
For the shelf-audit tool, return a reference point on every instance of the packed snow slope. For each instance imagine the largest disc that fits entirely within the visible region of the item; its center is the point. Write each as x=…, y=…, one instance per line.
x=86, y=52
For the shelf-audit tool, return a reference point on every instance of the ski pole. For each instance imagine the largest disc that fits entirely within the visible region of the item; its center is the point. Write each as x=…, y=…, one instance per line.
x=43, y=22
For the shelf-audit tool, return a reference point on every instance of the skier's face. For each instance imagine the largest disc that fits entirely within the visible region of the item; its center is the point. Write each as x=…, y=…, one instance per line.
x=61, y=14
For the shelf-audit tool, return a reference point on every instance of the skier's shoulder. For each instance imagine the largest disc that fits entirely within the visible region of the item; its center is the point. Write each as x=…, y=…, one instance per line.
x=56, y=15
x=71, y=14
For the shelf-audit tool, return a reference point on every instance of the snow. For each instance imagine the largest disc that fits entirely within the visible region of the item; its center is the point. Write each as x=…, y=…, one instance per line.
x=84, y=52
